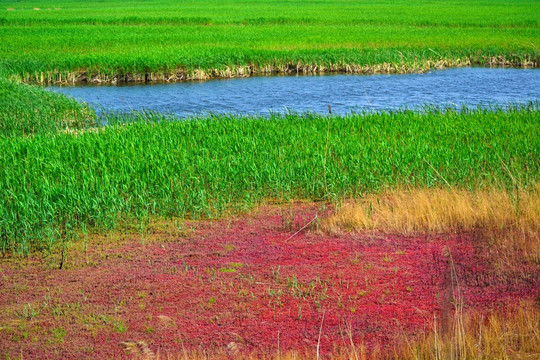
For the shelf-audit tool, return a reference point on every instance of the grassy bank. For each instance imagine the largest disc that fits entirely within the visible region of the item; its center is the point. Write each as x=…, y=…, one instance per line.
x=168, y=40
x=28, y=110
x=56, y=184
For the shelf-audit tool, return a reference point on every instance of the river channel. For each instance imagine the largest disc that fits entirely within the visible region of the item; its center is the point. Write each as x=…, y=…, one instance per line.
x=344, y=93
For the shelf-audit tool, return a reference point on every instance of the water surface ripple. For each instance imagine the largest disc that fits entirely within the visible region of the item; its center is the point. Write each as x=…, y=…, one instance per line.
x=345, y=93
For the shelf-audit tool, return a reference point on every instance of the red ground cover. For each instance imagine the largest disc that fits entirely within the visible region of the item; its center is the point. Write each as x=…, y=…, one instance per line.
x=246, y=281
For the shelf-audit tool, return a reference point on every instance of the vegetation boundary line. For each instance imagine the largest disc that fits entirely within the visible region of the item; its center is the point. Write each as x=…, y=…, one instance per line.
x=291, y=68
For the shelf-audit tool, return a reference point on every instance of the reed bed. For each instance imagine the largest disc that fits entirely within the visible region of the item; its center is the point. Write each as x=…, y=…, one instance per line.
x=112, y=41
x=28, y=110
x=149, y=165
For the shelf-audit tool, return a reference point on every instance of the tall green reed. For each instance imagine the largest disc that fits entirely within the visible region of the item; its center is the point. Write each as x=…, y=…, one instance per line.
x=154, y=166
x=29, y=110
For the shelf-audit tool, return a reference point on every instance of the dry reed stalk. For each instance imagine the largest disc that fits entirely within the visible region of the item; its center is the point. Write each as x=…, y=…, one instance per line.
x=509, y=219
x=511, y=333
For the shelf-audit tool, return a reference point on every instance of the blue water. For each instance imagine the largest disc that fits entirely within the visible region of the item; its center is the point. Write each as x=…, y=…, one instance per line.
x=344, y=93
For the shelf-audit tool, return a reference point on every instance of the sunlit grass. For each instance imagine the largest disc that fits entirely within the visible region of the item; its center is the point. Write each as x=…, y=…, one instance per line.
x=508, y=333
x=509, y=220
x=163, y=40
x=28, y=110
x=56, y=184
x=441, y=210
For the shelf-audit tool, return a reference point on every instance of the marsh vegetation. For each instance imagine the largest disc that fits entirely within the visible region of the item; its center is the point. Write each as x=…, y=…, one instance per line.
x=167, y=40
x=395, y=233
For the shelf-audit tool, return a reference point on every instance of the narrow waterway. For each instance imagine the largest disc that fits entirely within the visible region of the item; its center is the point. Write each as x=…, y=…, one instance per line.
x=344, y=93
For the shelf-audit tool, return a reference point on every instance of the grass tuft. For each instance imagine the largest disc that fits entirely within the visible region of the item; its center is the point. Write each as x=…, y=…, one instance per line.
x=511, y=219
x=510, y=333
x=440, y=210
x=29, y=110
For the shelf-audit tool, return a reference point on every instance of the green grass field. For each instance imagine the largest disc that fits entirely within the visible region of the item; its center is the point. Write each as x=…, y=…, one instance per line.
x=29, y=110
x=63, y=40
x=59, y=183
x=56, y=183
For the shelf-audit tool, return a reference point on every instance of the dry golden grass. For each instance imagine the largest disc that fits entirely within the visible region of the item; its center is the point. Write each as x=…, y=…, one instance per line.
x=508, y=334
x=509, y=220
x=440, y=210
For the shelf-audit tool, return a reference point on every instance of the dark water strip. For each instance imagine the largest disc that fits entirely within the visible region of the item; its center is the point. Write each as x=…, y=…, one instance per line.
x=345, y=93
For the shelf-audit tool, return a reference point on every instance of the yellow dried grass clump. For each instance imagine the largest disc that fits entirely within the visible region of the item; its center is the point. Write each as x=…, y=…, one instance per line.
x=506, y=334
x=440, y=210
x=508, y=219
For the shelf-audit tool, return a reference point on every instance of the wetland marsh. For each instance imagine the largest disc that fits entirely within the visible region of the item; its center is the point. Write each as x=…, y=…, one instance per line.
x=237, y=218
